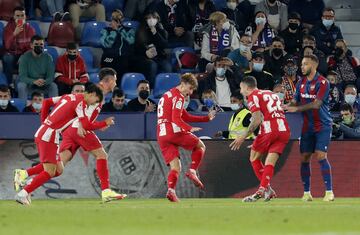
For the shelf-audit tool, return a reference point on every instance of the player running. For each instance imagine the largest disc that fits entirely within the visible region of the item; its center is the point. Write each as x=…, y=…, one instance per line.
x=47, y=136
x=75, y=136
x=173, y=132
x=273, y=136
x=312, y=99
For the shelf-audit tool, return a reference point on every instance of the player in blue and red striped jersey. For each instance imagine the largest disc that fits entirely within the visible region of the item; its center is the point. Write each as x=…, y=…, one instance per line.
x=312, y=99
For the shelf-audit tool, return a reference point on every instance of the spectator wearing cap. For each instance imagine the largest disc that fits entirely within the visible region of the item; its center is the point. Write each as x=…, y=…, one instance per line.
x=276, y=13
x=275, y=58
x=241, y=57
x=236, y=14
x=293, y=34
x=326, y=32
x=310, y=11
x=36, y=103
x=336, y=96
x=223, y=82
x=346, y=66
x=265, y=80
x=117, y=103
x=5, y=105
x=289, y=80
x=262, y=33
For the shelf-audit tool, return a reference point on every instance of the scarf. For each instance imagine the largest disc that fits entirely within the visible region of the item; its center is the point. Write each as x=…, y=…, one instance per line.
x=218, y=44
x=289, y=87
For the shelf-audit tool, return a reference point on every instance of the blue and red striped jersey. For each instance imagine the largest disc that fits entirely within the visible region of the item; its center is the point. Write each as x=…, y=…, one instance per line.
x=307, y=91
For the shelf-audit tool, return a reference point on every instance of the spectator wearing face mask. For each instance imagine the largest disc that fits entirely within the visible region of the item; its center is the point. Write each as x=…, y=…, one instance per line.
x=150, y=43
x=346, y=66
x=276, y=13
x=235, y=13
x=208, y=98
x=5, y=105
x=70, y=69
x=293, y=34
x=142, y=103
x=350, y=125
x=242, y=57
x=117, y=103
x=262, y=33
x=289, y=80
x=219, y=38
x=223, y=82
x=239, y=121
x=336, y=95
x=309, y=48
x=350, y=97
x=36, y=71
x=326, y=32
x=36, y=103
x=265, y=80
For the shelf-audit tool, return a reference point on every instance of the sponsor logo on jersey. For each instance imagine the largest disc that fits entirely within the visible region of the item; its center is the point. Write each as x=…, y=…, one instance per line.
x=307, y=96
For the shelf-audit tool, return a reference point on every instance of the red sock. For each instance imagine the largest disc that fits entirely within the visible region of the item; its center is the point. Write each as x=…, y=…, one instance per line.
x=38, y=180
x=258, y=168
x=37, y=169
x=267, y=175
x=103, y=173
x=196, y=157
x=172, y=178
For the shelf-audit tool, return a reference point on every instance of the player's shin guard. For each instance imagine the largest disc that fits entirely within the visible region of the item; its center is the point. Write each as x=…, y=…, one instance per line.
x=172, y=179
x=266, y=176
x=305, y=172
x=326, y=173
x=35, y=170
x=258, y=168
x=38, y=180
x=196, y=157
x=103, y=173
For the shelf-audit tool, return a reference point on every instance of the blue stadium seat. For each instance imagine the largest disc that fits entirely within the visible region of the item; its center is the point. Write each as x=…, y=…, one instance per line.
x=3, y=79
x=91, y=33
x=88, y=57
x=131, y=24
x=36, y=26
x=18, y=103
x=108, y=97
x=164, y=82
x=53, y=52
x=219, y=4
x=94, y=77
x=1, y=34
x=111, y=5
x=129, y=84
x=194, y=105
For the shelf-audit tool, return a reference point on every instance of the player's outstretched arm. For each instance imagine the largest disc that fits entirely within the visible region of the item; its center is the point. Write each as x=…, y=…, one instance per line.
x=187, y=117
x=46, y=106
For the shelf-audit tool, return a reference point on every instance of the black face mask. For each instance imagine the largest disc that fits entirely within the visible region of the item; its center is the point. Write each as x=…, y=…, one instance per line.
x=293, y=26
x=144, y=94
x=277, y=52
x=338, y=52
x=38, y=50
x=71, y=57
x=272, y=1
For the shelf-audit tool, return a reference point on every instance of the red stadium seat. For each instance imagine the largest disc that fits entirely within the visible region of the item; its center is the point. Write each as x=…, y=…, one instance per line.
x=7, y=8
x=60, y=34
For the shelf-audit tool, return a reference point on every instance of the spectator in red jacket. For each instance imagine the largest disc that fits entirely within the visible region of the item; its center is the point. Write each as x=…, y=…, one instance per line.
x=17, y=39
x=70, y=69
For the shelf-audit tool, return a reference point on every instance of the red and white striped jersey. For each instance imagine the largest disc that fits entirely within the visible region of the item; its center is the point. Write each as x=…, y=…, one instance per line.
x=172, y=116
x=269, y=104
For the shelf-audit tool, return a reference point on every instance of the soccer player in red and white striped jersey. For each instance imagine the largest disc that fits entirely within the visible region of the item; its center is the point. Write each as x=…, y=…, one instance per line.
x=273, y=136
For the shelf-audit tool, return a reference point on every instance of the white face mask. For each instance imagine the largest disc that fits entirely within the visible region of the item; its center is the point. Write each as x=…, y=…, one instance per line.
x=350, y=99
x=226, y=25
x=4, y=103
x=235, y=106
x=281, y=95
x=231, y=5
x=37, y=106
x=151, y=22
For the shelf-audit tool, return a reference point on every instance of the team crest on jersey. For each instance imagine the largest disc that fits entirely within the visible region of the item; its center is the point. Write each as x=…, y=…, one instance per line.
x=302, y=86
x=312, y=87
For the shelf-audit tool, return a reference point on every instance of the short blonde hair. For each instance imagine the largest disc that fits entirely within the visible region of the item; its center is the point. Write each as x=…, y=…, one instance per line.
x=208, y=92
x=117, y=15
x=189, y=78
x=217, y=17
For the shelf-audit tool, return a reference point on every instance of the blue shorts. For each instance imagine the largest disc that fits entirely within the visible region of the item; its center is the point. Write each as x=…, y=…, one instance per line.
x=315, y=141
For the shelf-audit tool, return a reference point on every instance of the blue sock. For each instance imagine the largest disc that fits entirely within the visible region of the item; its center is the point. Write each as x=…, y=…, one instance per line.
x=326, y=173
x=305, y=175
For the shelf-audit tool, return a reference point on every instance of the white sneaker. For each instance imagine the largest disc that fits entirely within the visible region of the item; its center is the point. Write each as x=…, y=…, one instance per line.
x=307, y=197
x=23, y=198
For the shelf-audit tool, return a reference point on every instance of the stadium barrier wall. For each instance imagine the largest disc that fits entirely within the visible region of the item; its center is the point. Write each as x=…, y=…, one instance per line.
x=129, y=126
x=137, y=168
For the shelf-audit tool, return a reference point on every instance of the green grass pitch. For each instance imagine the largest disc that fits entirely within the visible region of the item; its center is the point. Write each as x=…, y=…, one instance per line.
x=189, y=217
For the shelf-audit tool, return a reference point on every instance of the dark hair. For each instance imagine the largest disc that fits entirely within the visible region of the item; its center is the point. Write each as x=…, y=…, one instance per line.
x=106, y=72
x=37, y=94
x=4, y=88
x=118, y=93
x=278, y=39
x=294, y=15
x=36, y=38
x=71, y=46
x=19, y=8
x=329, y=9
x=309, y=37
x=350, y=86
x=236, y=94
x=92, y=88
x=142, y=81
x=77, y=84
x=250, y=81
x=347, y=107
x=313, y=58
